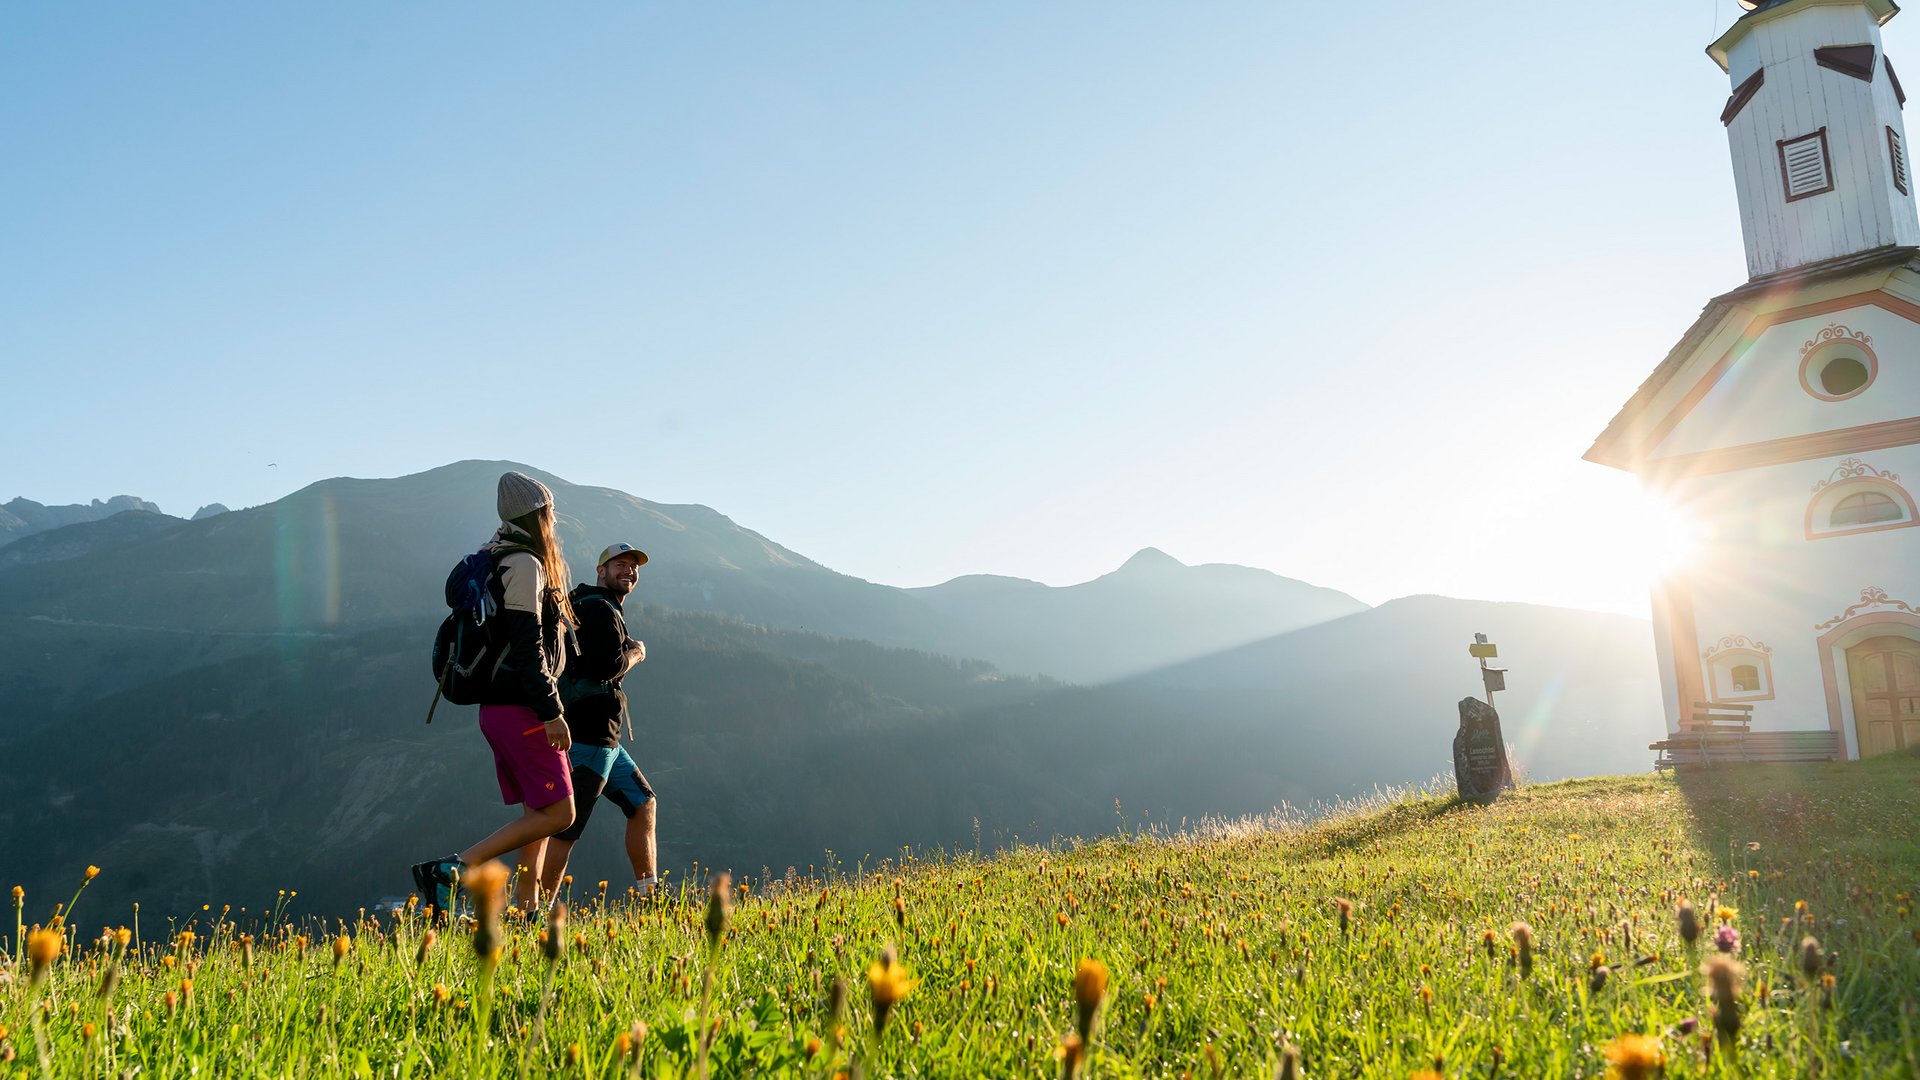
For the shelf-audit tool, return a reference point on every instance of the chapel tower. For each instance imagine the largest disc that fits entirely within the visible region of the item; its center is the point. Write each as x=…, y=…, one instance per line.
x=1819, y=151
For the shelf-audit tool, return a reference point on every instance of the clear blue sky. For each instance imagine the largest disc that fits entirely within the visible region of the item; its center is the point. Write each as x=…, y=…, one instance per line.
x=1340, y=290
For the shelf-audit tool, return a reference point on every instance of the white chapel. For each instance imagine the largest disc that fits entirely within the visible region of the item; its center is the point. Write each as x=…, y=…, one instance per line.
x=1787, y=419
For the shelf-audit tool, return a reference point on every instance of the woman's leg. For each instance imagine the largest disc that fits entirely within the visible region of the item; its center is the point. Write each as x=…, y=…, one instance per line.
x=558, y=849
x=526, y=886
x=530, y=826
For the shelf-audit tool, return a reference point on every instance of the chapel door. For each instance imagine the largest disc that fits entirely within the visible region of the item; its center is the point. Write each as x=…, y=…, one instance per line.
x=1885, y=672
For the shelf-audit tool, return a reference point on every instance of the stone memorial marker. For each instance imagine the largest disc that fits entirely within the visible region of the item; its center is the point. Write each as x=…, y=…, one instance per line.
x=1480, y=753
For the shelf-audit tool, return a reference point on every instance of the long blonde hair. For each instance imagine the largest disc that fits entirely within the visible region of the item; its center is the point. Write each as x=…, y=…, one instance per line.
x=538, y=524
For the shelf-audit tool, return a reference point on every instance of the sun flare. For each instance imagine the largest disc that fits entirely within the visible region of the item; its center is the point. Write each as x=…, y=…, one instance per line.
x=1660, y=538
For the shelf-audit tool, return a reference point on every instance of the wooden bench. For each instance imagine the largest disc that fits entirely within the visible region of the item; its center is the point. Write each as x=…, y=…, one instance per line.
x=1711, y=716
x=1721, y=733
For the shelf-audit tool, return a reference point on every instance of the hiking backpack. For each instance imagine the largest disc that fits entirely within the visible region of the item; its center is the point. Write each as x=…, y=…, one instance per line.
x=465, y=657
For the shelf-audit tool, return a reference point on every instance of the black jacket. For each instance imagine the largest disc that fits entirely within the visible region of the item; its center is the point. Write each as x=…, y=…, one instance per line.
x=591, y=688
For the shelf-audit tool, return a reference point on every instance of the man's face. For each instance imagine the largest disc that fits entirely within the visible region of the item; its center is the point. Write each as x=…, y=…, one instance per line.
x=620, y=573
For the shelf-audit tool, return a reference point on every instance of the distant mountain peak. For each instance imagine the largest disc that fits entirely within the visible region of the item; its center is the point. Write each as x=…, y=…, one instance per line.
x=1149, y=559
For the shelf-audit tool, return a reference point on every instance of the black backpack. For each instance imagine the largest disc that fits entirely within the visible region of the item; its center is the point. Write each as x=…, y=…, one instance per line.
x=465, y=657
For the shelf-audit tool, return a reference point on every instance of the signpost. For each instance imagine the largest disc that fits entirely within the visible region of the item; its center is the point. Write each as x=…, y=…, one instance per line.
x=1480, y=768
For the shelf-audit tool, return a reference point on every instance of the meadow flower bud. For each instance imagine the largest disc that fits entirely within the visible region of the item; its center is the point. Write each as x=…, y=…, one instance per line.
x=342, y=945
x=1812, y=962
x=426, y=945
x=719, y=907
x=836, y=1009
x=1523, y=939
x=486, y=884
x=43, y=948
x=1289, y=1063
x=1724, y=975
x=1072, y=1051
x=888, y=985
x=108, y=981
x=555, y=946
x=1089, y=989
x=1635, y=1057
x=1345, y=909
x=19, y=894
x=1689, y=923
x=1597, y=979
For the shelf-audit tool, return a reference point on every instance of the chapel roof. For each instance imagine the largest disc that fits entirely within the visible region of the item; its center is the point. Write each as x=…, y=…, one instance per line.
x=1619, y=429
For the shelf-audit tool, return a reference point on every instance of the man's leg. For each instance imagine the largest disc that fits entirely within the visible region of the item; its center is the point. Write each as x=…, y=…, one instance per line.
x=628, y=789
x=641, y=851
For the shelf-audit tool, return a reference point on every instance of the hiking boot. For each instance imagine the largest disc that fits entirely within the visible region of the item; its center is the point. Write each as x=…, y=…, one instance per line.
x=436, y=879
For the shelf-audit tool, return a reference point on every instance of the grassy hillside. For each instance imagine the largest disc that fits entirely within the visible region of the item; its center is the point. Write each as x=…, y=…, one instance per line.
x=1377, y=944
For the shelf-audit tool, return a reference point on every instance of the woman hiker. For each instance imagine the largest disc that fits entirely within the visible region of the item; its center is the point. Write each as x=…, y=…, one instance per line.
x=520, y=710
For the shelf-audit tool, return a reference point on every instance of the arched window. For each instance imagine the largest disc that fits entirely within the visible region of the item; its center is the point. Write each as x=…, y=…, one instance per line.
x=1858, y=498
x=1865, y=508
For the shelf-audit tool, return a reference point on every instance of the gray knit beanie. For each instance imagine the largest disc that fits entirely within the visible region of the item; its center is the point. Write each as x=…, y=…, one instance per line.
x=521, y=494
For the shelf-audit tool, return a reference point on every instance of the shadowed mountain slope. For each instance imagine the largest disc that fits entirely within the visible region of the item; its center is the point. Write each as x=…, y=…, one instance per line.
x=1583, y=697
x=124, y=529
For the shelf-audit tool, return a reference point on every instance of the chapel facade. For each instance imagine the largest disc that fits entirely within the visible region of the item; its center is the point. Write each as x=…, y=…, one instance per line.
x=1786, y=421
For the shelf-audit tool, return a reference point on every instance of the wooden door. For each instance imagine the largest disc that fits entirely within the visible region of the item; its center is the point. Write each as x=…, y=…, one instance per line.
x=1885, y=672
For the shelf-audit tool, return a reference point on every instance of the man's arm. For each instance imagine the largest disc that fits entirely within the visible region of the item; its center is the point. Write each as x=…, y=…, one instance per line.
x=632, y=653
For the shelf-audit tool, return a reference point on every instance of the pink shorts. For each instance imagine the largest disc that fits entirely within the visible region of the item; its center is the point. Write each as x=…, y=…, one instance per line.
x=531, y=771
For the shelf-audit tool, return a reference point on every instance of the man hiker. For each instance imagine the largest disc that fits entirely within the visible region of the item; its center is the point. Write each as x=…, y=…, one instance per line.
x=595, y=711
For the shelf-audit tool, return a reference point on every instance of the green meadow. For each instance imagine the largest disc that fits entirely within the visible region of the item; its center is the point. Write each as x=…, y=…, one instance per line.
x=1540, y=936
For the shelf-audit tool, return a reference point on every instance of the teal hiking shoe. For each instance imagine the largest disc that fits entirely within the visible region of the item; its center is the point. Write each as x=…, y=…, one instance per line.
x=436, y=879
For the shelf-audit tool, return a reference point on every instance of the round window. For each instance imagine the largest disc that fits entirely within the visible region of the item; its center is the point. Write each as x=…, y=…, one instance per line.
x=1843, y=376
x=1839, y=367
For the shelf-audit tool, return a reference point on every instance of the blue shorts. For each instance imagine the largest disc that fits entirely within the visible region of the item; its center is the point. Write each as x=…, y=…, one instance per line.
x=603, y=770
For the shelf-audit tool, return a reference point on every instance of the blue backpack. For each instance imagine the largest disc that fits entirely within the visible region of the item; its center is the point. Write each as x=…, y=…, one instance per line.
x=465, y=659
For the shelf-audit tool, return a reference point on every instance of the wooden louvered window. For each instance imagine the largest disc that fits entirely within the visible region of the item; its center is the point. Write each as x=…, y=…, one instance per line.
x=1898, y=152
x=1741, y=95
x=1805, y=169
x=1854, y=60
